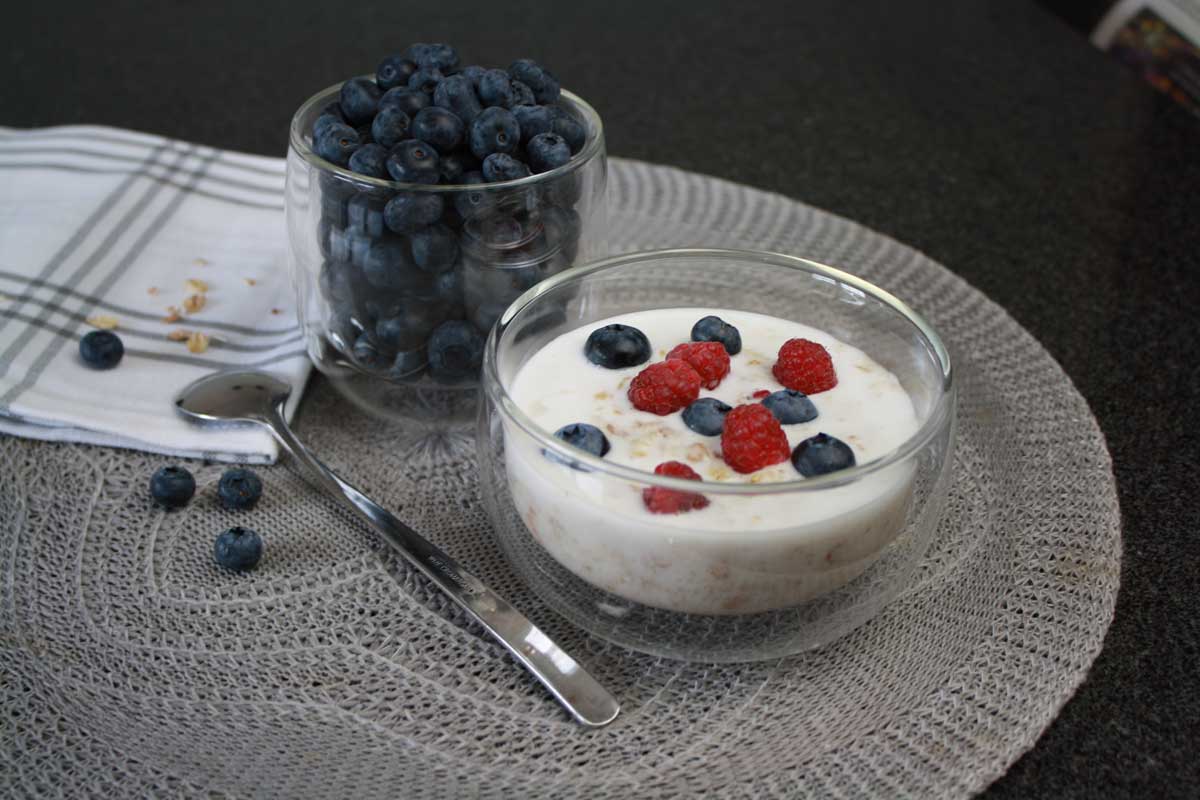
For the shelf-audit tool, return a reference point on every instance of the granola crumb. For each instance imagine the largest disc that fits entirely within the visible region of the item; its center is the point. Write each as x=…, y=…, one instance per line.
x=173, y=315
x=194, y=285
x=754, y=362
x=250, y=281
x=276, y=311
x=179, y=335
x=601, y=395
x=103, y=322
x=152, y=291
x=201, y=262
x=197, y=342
x=193, y=303
x=639, y=454
x=697, y=452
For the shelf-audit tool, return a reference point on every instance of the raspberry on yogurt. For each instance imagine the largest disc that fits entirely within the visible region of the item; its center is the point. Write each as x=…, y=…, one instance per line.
x=753, y=439
x=709, y=359
x=660, y=500
x=805, y=366
x=665, y=387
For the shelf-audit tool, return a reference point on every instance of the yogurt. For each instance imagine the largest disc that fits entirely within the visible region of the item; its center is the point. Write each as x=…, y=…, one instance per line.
x=740, y=554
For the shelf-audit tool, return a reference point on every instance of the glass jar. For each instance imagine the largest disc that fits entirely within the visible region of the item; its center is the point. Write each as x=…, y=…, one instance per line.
x=775, y=584
x=371, y=310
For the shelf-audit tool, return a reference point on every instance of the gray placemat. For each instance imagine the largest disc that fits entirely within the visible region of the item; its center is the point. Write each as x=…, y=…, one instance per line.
x=132, y=666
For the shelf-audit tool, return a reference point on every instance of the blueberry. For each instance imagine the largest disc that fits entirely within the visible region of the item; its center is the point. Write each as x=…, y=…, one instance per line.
x=238, y=549
x=587, y=438
x=413, y=161
x=410, y=101
x=425, y=80
x=485, y=315
x=448, y=286
x=324, y=121
x=408, y=212
x=457, y=94
x=336, y=281
x=439, y=127
x=359, y=100
x=715, y=329
x=534, y=120
x=101, y=349
x=455, y=350
x=394, y=71
x=408, y=363
x=394, y=334
x=433, y=56
x=706, y=416
x=522, y=95
x=337, y=143
x=821, y=454
x=391, y=126
x=453, y=166
x=495, y=130
x=369, y=160
x=473, y=73
x=435, y=248
x=617, y=346
x=790, y=407
x=544, y=85
x=495, y=89
x=503, y=167
x=364, y=214
x=367, y=353
x=364, y=134
x=386, y=265
x=548, y=151
x=569, y=128
x=239, y=488
x=474, y=204
x=172, y=487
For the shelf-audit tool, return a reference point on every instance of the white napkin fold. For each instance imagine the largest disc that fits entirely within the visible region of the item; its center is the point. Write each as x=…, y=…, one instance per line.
x=98, y=222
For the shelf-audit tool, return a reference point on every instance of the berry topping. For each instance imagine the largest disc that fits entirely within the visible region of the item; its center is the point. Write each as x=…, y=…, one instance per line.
x=790, y=407
x=715, y=329
x=238, y=549
x=172, y=487
x=753, y=439
x=587, y=438
x=660, y=500
x=239, y=488
x=101, y=349
x=666, y=387
x=822, y=454
x=805, y=366
x=617, y=346
x=706, y=416
x=709, y=359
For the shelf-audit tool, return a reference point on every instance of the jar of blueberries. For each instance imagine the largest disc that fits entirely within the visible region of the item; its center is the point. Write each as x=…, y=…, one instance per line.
x=421, y=201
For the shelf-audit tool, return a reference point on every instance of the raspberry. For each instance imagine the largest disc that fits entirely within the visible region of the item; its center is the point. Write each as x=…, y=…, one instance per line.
x=805, y=367
x=707, y=358
x=753, y=439
x=761, y=393
x=671, y=501
x=665, y=387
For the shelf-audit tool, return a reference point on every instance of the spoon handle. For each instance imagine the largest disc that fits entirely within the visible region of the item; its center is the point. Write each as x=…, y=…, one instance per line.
x=587, y=701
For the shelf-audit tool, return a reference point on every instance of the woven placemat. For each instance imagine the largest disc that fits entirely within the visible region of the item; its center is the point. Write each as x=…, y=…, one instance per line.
x=132, y=666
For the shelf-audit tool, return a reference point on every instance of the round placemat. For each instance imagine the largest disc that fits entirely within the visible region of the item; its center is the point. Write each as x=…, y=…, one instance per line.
x=133, y=666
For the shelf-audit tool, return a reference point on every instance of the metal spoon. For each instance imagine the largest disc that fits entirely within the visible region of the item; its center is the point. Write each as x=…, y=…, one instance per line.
x=259, y=398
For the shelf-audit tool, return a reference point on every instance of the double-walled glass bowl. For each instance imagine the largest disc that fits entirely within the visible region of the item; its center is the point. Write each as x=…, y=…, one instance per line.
x=653, y=582
x=370, y=313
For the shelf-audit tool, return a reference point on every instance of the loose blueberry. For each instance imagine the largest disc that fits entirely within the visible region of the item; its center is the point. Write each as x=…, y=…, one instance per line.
x=425, y=80
x=790, y=407
x=473, y=73
x=715, y=329
x=413, y=161
x=821, y=454
x=239, y=488
x=172, y=487
x=435, y=248
x=474, y=204
x=617, y=346
x=453, y=166
x=238, y=549
x=439, y=127
x=370, y=160
x=410, y=101
x=495, y=130
x=457, y=94
x=534, y=120
x=544, y=85
x=101, y=349
x=367, y=353
x=503, y=167
x=394, y=71
x=337, y=143
x=408, y=212
x=391, y=126
x=455, y=350
x=495, y=89
x=548, y=151
x=587, y=438
x=522, y=95
x=359, y=100
x=433, y=56
x=706, y=416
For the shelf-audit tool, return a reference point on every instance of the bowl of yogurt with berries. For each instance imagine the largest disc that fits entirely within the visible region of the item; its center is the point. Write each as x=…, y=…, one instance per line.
x=718, y=455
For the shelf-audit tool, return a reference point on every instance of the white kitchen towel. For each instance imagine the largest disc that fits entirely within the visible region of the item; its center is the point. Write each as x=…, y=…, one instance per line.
x=100, y=225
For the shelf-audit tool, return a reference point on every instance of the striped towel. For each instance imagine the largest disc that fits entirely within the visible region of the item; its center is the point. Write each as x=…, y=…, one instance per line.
x=100, y=226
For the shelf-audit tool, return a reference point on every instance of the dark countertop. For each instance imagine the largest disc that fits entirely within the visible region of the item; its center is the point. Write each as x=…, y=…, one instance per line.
x=987, y=134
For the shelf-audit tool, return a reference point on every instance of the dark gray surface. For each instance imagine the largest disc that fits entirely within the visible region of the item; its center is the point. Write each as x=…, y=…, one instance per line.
x=987, y=134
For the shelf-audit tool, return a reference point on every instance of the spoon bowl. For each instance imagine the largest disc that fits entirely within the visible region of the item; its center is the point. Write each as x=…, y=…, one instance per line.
x=233, y=397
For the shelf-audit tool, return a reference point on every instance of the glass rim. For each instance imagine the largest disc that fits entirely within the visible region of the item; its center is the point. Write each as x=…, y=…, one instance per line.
x=938, y=417
x=296, y=141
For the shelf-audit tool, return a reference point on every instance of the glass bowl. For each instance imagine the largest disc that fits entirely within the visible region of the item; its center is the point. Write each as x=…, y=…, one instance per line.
x=367, y=310
x=656, y=584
